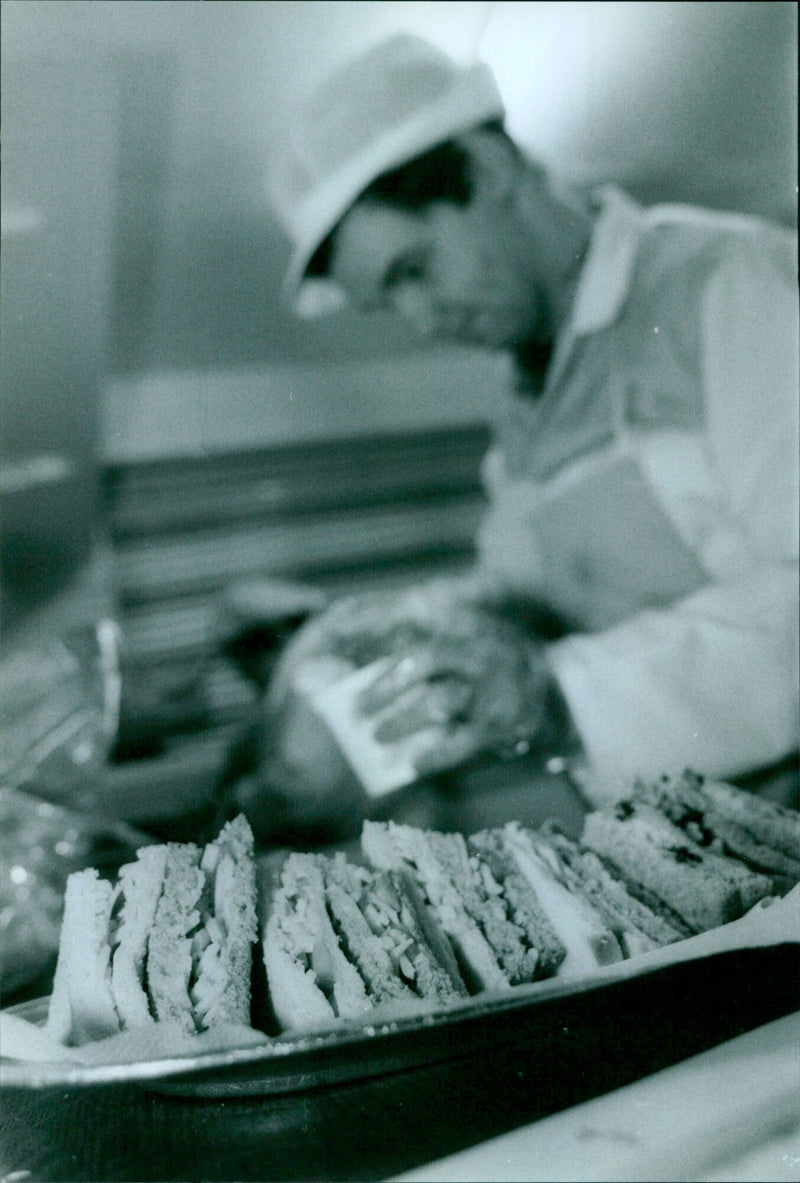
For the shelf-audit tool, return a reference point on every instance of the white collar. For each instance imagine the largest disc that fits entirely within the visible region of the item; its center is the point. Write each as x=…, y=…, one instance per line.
x=606, y=275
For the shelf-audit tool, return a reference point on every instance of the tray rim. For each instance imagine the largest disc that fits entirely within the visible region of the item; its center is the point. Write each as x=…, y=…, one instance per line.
x=376, y=1031
x=376, y=1027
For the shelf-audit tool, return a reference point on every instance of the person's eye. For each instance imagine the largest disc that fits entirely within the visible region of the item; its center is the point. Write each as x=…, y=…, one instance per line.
x=409, y=268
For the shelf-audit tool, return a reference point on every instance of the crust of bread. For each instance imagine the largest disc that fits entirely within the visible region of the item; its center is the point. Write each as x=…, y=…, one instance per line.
x=82, y=1003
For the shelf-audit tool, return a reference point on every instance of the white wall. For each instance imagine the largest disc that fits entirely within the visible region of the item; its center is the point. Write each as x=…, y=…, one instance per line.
x=200, y=412
x=603, y=87
x=692, y=101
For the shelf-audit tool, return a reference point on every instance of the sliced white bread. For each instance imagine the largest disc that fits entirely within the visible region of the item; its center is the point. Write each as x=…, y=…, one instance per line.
x=82, y=1002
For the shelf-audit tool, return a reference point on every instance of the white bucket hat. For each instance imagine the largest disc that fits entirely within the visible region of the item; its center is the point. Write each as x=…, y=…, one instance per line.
x=393, y=103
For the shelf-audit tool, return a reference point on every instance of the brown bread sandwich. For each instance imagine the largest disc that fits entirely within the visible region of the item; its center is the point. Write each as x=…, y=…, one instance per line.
x=728, y=821
x=638, y=925
x=656, y=857
x=172, y=941
x=514, y=853
x=497, y=943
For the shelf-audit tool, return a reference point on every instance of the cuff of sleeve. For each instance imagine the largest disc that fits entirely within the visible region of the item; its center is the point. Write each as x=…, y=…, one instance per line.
x=552, y=729
x=602, y=761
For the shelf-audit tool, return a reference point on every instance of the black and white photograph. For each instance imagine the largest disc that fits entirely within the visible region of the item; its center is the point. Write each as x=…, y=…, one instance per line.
x=399, y=596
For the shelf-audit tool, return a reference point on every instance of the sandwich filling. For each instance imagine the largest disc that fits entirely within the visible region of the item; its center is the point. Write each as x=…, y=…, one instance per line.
x=310, y=978
x=170, y=962
x=575, y=938
x=384, y=931
x=221, y=943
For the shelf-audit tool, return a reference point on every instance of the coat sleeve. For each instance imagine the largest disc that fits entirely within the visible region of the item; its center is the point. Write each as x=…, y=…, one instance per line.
x=712, y=681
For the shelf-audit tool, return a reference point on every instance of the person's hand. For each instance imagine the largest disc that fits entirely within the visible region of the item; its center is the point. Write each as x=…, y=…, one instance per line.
x=459, y=671
x=299, y=784
x=359, y=629
x=480, y=682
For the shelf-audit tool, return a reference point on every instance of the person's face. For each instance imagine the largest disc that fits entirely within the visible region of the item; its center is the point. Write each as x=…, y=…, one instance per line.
x=449, y=271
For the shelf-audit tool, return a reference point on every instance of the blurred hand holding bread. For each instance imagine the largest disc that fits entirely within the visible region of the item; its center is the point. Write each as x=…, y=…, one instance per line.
x=384, y=688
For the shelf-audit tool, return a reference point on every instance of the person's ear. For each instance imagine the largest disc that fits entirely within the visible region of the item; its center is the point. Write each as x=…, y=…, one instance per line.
x=494, y=163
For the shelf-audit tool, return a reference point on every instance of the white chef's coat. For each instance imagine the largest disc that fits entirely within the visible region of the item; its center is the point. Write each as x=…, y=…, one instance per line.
x=650, y=493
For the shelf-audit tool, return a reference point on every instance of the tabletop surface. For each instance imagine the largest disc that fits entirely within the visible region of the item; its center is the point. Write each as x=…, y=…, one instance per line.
x=731, y=1113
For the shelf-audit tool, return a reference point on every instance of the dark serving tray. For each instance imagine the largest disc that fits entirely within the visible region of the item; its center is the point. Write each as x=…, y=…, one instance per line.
x=356, y=1106
x=571, y=1031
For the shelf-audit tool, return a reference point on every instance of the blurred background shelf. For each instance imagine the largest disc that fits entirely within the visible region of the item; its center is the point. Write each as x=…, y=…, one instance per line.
x=378, y=510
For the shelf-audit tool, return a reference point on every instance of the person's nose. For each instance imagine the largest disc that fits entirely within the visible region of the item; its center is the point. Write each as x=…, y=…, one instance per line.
x=414, y=304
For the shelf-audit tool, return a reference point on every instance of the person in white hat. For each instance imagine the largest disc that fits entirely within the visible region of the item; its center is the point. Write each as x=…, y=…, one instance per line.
x=635, y=595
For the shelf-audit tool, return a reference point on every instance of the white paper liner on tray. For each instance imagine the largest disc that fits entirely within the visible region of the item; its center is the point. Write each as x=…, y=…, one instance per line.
x=31, y=1059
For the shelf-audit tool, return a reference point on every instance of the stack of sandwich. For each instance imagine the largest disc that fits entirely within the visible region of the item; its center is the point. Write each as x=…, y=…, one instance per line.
x=172, y=941
x=436, y=917
x=426, y=919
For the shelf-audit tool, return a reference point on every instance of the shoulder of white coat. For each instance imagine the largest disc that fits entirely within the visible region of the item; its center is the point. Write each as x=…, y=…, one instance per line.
x=751, y=335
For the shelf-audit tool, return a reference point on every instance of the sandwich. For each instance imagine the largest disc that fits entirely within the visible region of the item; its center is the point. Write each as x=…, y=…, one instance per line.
x=660, y=860
x=310, y=980
x=341, y=941
x=772, y=825
x=493, y=951
x=390, y=936
x=731, y=822
x=639, y=925
x=430, y=919
x=82, y=1006
x=520, y=861
x=493, y=918
x=170, y=942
